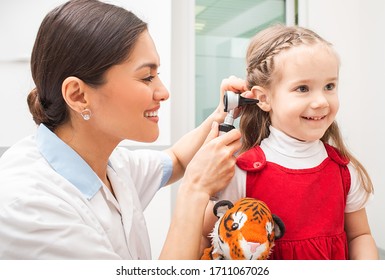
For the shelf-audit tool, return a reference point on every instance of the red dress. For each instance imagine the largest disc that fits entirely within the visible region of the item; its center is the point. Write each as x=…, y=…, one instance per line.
x=310, y=202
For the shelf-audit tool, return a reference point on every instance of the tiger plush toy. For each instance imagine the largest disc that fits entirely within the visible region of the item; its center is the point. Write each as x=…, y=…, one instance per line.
x=244, y=231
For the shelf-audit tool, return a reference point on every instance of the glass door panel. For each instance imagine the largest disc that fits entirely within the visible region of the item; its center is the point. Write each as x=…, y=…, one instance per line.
x=223, y=29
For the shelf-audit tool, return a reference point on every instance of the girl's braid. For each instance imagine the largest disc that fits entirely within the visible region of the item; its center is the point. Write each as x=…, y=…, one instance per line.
x=265, y=46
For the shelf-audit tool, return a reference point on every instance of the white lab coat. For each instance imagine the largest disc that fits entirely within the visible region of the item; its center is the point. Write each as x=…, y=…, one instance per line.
x=53, y=206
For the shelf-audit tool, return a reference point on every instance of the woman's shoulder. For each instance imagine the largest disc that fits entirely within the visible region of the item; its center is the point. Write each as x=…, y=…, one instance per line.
x=123, y=154
x=25, y=174
x=139, y=162
x=20, y=154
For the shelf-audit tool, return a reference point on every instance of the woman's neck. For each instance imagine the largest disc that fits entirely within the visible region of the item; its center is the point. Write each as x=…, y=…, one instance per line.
x=93, y=148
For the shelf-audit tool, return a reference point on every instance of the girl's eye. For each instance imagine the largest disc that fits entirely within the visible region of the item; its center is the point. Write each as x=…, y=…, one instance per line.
x=330, y=86
x=302, y=89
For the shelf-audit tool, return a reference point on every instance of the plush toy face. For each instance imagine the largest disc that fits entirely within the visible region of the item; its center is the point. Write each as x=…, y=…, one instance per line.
x=244, y=231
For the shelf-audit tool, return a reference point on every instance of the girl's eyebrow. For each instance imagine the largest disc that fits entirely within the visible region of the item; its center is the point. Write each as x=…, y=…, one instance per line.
x=306, y=81
x=333, y=79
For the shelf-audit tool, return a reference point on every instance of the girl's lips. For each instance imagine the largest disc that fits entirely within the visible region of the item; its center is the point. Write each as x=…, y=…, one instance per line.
x=315, y=118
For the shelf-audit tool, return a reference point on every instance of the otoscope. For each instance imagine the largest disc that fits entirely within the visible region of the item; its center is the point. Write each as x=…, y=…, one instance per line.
x=231, y=101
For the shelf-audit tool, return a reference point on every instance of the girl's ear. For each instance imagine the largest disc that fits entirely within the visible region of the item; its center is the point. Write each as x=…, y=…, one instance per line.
x=263, y=95
x=73, y=91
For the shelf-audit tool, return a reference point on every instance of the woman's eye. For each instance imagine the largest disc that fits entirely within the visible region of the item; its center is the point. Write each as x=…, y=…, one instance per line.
x=330, y=86
x=149, y=79
x=302, y=89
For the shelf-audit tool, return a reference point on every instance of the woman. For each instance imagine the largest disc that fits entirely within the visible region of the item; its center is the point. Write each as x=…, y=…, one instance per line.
x=69, y=192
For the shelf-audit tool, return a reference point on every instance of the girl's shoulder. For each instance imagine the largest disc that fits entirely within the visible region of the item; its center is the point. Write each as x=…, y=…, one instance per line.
x=252, y=160
x=335, y=155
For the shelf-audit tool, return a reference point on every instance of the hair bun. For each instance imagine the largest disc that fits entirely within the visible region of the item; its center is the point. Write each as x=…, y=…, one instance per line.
x=35, y=107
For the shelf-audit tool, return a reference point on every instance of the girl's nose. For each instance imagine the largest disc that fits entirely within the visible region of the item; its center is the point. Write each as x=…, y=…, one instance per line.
x=319, y=101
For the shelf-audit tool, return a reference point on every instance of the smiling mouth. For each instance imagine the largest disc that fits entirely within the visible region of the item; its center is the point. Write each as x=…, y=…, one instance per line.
x=151, y=114
x=314, y=118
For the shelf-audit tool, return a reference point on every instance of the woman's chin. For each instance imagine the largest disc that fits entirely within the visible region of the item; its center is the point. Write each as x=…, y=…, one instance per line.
x=150, y=138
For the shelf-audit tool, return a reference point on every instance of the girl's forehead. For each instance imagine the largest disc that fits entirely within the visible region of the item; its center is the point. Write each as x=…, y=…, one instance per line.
x=307, y=55
x=312, y=61
x=312, y=49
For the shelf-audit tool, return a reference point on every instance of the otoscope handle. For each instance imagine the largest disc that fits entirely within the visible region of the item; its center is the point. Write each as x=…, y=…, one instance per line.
x=224, y=127
x=227, y=125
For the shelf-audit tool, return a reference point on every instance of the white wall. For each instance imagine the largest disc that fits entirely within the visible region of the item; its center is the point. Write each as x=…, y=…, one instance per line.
x=18, y=27
x=356, y=29
x=19, y=22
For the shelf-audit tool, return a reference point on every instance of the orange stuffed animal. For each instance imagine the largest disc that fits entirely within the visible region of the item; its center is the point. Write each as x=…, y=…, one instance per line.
x=244, y=231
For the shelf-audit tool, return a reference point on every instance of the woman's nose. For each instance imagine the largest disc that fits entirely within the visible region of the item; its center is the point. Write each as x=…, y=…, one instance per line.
x=161, y=92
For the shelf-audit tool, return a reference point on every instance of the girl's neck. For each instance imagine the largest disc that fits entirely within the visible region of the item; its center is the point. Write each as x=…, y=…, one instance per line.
x=290, y=146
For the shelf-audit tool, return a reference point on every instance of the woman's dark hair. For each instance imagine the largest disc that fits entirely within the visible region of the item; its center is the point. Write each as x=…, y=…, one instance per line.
x=81, y=38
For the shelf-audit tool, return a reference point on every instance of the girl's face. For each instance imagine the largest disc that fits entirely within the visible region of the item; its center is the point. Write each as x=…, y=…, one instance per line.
x=126, y=106
x=303, y=100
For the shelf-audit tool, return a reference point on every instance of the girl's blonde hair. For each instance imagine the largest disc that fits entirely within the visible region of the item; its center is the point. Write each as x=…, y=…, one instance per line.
x=254, y=122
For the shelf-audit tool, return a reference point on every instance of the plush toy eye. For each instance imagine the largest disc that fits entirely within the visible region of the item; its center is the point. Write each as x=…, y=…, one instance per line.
x=235, y=226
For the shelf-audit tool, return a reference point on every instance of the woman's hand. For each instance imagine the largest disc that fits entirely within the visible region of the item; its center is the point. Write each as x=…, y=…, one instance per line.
x=208, y=172
x=213, y=166
x=234, y=84
x=185, y=148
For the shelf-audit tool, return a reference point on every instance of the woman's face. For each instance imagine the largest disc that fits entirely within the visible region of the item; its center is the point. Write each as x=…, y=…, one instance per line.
x=126, y=105
x=304, y=101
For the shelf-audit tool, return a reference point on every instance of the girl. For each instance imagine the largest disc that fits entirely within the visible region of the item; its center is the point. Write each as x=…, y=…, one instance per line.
x=293, y=156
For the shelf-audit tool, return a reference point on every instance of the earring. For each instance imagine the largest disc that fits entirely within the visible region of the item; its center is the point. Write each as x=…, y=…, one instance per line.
x=86, y=114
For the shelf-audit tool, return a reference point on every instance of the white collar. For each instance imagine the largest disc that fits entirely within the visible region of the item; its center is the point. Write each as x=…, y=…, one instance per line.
x=66, y=162
x=292, y=153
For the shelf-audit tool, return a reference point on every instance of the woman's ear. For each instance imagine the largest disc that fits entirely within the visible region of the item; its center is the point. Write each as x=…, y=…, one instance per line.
x=263, y=95
x=73, y=91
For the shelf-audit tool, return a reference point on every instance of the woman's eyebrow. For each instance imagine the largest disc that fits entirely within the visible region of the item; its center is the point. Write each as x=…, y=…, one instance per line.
x=148, y=64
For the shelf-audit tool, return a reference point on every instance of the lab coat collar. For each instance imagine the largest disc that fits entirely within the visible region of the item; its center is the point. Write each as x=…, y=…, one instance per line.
x=65, y=161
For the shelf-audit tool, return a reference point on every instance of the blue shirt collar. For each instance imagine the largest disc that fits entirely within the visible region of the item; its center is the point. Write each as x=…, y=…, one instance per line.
x=66, y=162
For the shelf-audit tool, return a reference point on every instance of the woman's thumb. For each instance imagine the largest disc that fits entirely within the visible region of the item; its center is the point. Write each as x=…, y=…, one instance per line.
x=213, y=132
